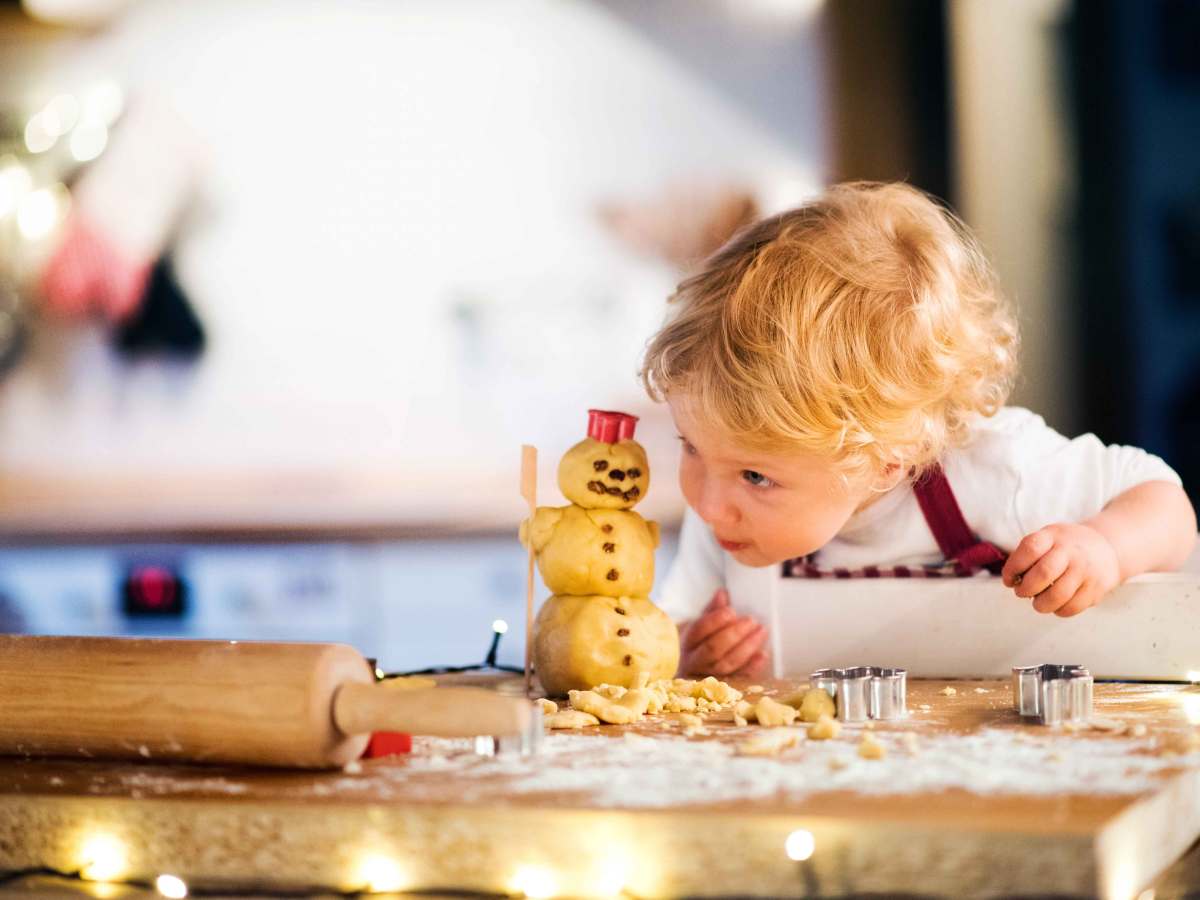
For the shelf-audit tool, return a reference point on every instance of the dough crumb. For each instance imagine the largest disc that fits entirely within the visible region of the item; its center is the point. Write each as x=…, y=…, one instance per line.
x=837, y=763
x=1137, y=730
x=1112, y=726
x=772, y=713
x=548, y=707
x=909, y=740
x=948, y=691
x=571, y=718
x=354, y=767
x=691, y=720
x=754, y=689
x=924, y=707
x=769, y=743
x=870, y=748
x=982, y=691
x=817, y=703
x=824, y=728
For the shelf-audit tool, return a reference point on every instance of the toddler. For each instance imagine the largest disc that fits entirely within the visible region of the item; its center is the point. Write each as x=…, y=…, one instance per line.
x=837, y=374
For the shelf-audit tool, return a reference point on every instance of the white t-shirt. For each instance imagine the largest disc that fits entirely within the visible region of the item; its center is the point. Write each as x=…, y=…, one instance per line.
x=1014, y=476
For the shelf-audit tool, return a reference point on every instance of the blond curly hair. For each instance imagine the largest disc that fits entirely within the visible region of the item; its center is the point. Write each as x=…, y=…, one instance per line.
x=866, y=326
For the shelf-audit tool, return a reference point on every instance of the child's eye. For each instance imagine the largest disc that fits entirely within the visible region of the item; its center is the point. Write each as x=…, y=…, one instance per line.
x=687, y=447
x=758, y=479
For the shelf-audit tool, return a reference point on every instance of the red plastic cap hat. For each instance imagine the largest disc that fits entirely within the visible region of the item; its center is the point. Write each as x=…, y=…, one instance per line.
x=609, y=427
x=388, y=743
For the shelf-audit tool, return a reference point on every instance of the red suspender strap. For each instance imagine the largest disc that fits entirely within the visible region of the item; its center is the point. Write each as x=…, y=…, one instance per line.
x=954, y=537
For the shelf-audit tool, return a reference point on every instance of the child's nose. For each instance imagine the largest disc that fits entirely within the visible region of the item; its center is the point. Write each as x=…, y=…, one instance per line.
x=714, y=508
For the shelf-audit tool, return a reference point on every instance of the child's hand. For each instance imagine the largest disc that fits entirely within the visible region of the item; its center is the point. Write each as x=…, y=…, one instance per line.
x=720, y=642
x=1066, y=568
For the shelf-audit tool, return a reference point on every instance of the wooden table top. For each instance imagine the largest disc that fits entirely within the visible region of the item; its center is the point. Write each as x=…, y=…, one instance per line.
x=978, y=802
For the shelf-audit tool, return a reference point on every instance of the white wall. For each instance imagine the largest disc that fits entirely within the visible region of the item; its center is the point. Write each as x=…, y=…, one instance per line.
x=395, y=254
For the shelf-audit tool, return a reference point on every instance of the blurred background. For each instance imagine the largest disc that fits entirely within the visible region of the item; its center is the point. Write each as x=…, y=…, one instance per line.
x=285, y=285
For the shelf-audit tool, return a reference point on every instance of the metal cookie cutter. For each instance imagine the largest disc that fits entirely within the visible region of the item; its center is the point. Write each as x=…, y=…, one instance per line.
x=1053, y=694
x=864, y=692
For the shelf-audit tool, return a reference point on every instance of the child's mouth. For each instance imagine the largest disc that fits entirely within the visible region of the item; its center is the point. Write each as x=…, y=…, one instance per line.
x=731, y=546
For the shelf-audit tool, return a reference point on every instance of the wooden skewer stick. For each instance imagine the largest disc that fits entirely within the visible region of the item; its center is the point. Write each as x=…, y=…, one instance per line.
x=529, y=492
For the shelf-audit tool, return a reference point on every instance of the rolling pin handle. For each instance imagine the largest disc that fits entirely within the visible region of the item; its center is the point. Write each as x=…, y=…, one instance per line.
x=444, y=712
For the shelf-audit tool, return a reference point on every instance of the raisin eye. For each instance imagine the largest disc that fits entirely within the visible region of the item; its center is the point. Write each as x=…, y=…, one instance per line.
x=634, y=473
x=600, y=465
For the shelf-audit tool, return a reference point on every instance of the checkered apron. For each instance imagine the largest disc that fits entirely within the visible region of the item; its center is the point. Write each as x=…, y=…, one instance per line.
x=964, y=554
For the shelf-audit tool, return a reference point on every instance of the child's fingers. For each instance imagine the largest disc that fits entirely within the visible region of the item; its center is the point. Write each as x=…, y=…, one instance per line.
x=754, y=668
x=720, y=599
x=1043, y=573
x=740, y=655
x=1060, y=592
x=1085, y=598
x=717, y=645
x=1032, y=548
x=707, y=625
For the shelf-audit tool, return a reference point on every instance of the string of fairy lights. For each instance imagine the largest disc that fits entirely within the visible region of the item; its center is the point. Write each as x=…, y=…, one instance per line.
x=489, y=664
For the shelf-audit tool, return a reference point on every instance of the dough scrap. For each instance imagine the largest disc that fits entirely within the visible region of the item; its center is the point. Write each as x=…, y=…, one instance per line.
x=870, y=747
x=948, y=691
x=770, y=742
x=772, y=713
x=548, y=707
x=816, y=703
x=824, y=728
x=571, y=718
x=618, y=705
x=629, y=707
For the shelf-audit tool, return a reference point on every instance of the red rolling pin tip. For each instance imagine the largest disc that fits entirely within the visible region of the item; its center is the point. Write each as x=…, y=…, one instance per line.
x=387, y=743
x=608, y=426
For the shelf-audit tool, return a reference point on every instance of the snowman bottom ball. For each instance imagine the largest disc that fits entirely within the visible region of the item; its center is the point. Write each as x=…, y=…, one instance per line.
x=582, y=641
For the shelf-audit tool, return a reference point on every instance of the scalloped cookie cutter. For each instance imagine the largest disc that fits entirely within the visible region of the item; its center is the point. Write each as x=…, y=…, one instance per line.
x=1053, y=694
x=865, y=692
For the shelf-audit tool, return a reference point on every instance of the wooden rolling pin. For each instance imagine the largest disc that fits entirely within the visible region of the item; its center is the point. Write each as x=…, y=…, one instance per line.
x=269, y=704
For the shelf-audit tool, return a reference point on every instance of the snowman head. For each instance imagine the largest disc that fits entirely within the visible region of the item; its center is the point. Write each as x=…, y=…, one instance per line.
x=607, y=469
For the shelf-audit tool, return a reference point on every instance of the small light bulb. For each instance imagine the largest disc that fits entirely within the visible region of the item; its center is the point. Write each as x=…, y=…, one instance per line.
x=379, y=673
x=103, y=858
x=60, y=115
x=15, y=183
x=535, y=882
x=39, y=211
x=38, y=138
x=800, y=845
x=171, y=886
x=88, y=141
x=380, y=873
x=500, y=626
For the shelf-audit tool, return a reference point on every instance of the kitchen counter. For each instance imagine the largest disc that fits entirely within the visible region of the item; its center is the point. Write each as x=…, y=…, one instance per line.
x=976, y=803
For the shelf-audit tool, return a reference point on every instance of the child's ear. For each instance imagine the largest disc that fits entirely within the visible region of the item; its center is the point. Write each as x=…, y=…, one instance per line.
x=890, y=476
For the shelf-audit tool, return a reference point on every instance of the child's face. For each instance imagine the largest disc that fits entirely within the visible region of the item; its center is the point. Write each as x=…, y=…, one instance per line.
x=764, y=508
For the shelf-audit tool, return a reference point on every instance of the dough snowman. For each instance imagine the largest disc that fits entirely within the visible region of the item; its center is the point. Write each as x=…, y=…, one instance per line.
x=597, y=557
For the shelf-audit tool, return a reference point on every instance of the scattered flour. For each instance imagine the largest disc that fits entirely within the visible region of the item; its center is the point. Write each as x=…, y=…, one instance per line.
x=675, y=771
